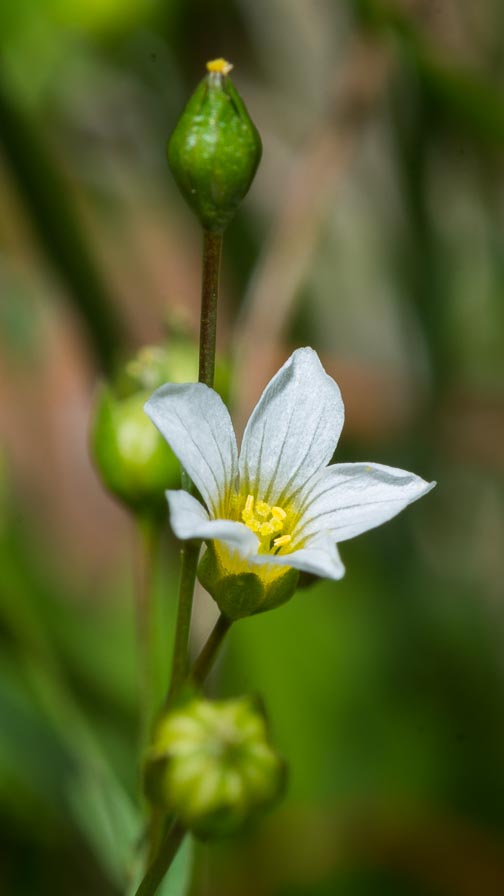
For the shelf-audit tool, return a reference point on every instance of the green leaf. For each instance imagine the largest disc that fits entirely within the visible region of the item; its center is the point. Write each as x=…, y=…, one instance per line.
x=176, y=882
x=48, y=202
x=178, y=878
x=107, y=819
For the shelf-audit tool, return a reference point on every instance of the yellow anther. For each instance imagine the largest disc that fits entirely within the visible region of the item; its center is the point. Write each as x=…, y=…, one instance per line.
x=221, y=66
x=248, y=511
x=262, y=509
x=266, y=521
x=266, y=529
x=283, y=539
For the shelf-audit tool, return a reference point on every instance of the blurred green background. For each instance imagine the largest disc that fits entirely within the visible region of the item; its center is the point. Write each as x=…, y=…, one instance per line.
x=374, y=232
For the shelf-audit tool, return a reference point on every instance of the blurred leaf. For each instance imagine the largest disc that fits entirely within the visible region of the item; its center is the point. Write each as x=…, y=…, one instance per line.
x=106, y=818
x=101, y=807
x=31, y=781
x=176, y=882
x=98, y=802
x=47, y=200
x=464, y=99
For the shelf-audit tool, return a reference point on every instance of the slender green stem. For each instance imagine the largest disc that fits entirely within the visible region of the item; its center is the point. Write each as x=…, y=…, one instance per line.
x=149, y=543
x=165, y=855
x=167, y=850
x=209, y=652
x=190, y=554
x=212, y=250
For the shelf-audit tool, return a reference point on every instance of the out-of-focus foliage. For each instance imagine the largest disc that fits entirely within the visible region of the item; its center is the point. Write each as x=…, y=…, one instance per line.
x=375, y=230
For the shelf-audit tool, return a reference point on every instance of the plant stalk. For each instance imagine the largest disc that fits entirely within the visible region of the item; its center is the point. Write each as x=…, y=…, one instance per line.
x=148, y=533
x=212, y=250
x=165, y=855
x=189, y=564
x=208, y=655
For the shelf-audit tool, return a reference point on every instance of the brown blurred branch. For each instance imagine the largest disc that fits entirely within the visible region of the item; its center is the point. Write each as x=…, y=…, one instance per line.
x=320, y=168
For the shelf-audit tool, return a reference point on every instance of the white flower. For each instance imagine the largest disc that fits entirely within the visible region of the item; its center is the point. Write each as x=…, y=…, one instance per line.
x=276, y=506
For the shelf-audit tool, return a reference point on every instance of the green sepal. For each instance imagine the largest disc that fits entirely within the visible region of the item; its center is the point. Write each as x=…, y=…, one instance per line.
x=243, y=594
x=214, y=151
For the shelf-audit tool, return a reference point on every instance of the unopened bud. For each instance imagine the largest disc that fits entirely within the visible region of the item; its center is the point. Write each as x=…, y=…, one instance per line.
x=212, y=765
x=215, y=149
x=133, y=460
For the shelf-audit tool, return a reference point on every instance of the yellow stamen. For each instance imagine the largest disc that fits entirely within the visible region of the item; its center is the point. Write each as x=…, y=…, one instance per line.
x=249, y=507
x=267, y=522
x=283, y=539
x=262, y=509
x=266, y=529
x=221, y=66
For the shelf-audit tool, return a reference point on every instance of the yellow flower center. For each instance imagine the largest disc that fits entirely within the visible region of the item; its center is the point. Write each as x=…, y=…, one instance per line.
x=268, y=524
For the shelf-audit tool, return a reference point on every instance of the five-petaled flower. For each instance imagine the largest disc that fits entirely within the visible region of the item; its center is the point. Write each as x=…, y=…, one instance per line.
x=275, y=508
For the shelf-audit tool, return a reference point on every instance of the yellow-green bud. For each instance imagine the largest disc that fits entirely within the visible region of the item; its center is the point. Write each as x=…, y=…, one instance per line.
x=244, y=593
x=215, y=149
x=132, y=458
x=212, y=765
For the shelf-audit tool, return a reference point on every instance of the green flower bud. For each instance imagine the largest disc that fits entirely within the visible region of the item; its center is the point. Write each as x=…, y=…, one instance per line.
x=154, y=365
x=132, y=458
x=215, y=149
x=134, y=461
x=212, y=765
x=246, y=593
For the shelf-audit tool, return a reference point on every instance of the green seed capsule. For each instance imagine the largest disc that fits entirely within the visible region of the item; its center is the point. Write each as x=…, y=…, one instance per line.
x=213, y=766
x=134, y=462
x=215, y=149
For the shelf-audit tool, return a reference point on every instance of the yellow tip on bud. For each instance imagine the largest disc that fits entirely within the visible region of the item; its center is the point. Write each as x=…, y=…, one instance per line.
x=221, y=66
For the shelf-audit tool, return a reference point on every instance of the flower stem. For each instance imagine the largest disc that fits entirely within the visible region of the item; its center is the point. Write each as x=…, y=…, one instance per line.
x=212, y=249
x=190, y=554
x=210, y=650
x=148, y=533
x=168, y=848
x=165, y=855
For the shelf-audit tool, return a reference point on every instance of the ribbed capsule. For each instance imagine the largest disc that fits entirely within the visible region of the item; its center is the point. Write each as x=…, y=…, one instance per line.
x=215, y=149
x=212, y=765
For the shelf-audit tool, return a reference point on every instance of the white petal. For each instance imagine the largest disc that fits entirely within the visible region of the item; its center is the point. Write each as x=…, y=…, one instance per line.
x=189, y=519
x=318, y=556
x=196, y=424
x=293, y=430
x=347, y=499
